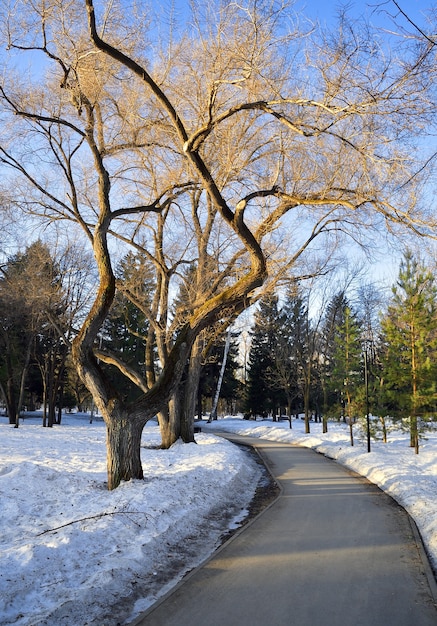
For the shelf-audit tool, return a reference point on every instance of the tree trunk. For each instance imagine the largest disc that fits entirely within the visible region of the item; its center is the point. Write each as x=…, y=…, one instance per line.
x=199, y=403
x=289, y=412
x=44, y=406
x=50, y=392
x=123, y=439
x=9, y=402
x=325, y=406
x=170, y=421
x=23, y=382
x=190, y=389
x=220, y=379
x=306, y=402
x=325, y=423
x=414, y=434
x=187, y=427
x=59, y=406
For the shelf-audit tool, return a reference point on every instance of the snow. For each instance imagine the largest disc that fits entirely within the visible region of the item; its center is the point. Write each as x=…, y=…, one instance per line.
x=74, y=553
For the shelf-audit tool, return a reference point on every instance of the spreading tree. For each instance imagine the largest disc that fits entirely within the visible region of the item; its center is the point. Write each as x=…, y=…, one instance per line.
x=111, y=132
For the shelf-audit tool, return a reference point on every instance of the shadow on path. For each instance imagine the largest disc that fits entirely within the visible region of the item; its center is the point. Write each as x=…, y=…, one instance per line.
x=332, y=550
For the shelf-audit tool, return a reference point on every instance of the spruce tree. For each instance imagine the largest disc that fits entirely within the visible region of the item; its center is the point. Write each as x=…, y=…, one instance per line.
x=346, y=371
x=409, y=337
x=340, y=357
x=262, y=395
x=291, y=373
x=332, y=319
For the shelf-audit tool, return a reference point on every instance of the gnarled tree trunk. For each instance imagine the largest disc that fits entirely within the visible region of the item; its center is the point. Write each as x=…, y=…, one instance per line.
x=123, y=448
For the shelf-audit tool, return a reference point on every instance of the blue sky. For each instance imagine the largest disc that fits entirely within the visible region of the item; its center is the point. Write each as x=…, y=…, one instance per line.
x=379, y=12
x=325, y=10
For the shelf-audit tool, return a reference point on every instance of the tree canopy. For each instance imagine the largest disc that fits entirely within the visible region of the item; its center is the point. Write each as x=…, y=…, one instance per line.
x=245, y=145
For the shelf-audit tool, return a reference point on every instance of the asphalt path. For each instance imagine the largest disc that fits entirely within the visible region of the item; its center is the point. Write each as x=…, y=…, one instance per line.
x=332, y=550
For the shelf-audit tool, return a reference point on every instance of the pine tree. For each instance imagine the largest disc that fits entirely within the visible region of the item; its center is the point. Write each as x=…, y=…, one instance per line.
x=333, y=318
x=346, y=372
x=290, y=373
x=341, y=369
x=409, y=337
x=125, y=330
x=262, y=394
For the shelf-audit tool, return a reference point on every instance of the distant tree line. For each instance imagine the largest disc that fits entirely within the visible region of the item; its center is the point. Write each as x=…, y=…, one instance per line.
x=42, y=299
x=298, y=365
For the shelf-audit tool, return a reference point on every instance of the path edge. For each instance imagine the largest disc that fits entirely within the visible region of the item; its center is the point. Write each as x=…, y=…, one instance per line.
x=234, y=439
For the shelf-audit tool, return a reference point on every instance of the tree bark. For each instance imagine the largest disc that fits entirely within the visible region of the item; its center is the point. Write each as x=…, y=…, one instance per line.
x=190, y=390
x=351, y=430
x=325, y=423
x=9, y=401
x=123, y=443
x=170, y=421
x=23, y=383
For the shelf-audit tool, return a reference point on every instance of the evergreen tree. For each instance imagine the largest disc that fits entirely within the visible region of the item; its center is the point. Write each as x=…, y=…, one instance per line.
x=262, y=394
x=346, y=370
x=125, y=330
x=32, y=305
x=409, y=337
x=340, y=356
x=333, y=318
x=289, y=372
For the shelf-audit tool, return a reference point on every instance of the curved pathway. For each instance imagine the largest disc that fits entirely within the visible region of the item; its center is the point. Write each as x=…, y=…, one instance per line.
x=332, y=550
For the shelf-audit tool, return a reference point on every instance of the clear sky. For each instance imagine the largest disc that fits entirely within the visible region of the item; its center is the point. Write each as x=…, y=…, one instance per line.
x=377, y=10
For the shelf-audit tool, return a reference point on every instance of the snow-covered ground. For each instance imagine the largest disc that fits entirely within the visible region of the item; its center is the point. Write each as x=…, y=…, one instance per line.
x=73, y=553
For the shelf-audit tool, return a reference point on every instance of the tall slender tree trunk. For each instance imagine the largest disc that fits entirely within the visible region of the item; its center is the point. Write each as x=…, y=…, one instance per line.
x=306, y=411
x=51, y=392
x=384, y=428
x=307, y=372
x=289, y=412
x=307, y=423
x=213, y=415
x=325, y=406
x=414, y=433
x=349, y=416
x=190, y=390
x=325, y=423
x=23, y=382
x=44, y=405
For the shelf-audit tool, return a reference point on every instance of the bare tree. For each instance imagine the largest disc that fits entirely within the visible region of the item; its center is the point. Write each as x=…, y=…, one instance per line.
x=319, y=141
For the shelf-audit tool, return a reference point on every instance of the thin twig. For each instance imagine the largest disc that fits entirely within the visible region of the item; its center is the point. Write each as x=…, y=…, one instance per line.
x=84, y=519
